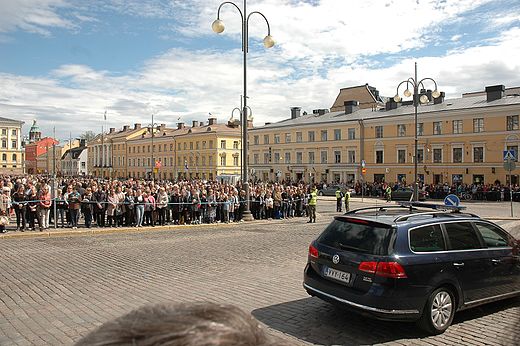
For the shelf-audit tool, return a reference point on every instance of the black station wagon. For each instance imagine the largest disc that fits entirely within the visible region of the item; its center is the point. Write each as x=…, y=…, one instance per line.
x=411, y=264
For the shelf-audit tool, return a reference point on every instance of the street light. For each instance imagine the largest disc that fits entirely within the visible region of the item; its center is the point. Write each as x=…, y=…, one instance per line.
x=152, y=127
x=417, y=99
x=218, y=27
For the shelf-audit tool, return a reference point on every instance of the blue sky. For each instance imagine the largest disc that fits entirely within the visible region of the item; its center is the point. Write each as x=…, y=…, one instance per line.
x=64, y=62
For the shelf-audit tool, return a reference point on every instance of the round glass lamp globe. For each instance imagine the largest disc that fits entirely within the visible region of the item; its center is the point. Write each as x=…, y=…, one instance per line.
x=397, y=98
x=436, y=93
x=424, y=99
x=268, y=41
x=407, y=93
x=218, y=26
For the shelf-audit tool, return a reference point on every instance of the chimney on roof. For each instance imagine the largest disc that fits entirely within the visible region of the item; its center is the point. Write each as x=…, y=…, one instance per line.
x=82, y=142
x=112, y=130
x=391, y=104
x=320, y=111
x=295, y=112
x=439, y=99
x=137, y=126
x=495, y=92
x=212, y=120
x=180, y=126
x=162, y=127
x=126, y=127
x=194, y=123
x=351, y=106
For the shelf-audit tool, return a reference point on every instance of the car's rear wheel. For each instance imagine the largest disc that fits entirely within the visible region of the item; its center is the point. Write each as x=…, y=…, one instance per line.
x=320, y=193
x=438, y=312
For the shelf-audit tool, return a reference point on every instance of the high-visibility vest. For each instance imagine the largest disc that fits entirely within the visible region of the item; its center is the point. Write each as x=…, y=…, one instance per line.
x=347, y=195
x=338, y=194
x=389, y=190
x=314, y=198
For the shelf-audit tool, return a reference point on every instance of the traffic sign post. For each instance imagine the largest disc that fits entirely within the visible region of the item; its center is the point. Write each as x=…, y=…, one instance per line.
x=510, y=165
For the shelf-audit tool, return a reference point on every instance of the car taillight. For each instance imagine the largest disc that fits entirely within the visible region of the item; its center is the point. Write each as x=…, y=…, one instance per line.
x=385, y=269
x=313, y=252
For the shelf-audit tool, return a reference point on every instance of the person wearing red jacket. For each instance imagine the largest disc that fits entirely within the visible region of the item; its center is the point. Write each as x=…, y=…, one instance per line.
x=44, y=205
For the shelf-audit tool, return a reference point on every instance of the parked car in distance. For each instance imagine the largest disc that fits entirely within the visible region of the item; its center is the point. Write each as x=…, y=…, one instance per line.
x=413, y=263
x=406, y=193
x=330, y=190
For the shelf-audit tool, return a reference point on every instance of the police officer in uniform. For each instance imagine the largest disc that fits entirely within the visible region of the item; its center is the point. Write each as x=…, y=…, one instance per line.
x=339, y=197
x=347, y=200
x=313, y=198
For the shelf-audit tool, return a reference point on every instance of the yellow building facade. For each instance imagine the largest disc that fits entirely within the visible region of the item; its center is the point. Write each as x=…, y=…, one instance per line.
x=459, y=141
x=11, y=153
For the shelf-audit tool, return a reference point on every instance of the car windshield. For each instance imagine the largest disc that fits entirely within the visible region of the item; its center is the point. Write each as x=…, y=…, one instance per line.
x=357, y=237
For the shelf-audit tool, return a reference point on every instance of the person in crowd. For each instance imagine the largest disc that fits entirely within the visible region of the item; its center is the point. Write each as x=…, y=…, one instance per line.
x=62, y=208
x=339, y=198
x=74, y=203
x=100, y=205
x=19, y=204
x=112, y=204
x=347, y=200
x=129, y=207
x=162, y=205
x=87, y=206
x=5, y=204
x=44, y=205
x=139, y=208
x=32, y=207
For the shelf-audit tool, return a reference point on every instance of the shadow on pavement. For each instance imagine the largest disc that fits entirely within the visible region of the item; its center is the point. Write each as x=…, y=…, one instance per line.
x=317, y=322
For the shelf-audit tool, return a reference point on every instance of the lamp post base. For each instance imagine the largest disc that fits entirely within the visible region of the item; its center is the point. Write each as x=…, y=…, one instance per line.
x=247, y=216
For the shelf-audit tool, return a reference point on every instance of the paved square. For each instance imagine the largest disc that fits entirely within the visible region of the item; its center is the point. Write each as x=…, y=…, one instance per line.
x=54, y=290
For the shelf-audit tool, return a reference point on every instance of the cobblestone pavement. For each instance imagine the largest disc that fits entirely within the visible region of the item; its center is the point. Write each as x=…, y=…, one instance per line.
x=54, y=290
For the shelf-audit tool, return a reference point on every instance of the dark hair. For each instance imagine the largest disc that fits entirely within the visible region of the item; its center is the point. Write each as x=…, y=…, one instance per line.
x=187, y=324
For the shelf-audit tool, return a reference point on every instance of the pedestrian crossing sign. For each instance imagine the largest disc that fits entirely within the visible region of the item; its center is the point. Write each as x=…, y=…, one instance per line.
x=509, y=155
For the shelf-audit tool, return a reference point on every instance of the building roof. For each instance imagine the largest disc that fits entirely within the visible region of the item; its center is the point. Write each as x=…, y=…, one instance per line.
x=75, y=152
x=11, y=121
x=407, y=109
x=366, y=95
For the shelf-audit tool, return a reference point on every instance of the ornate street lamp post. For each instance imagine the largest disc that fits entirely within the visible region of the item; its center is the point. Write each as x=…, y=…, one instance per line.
x=218, y=27
x=417, y=99
x=152, y=127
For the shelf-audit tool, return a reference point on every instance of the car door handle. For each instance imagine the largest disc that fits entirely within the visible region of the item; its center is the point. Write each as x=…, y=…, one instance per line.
x=496, y=261
x=458, y=264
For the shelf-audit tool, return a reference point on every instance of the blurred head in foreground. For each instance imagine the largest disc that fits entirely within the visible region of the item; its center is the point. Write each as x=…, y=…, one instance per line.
x=201, y=324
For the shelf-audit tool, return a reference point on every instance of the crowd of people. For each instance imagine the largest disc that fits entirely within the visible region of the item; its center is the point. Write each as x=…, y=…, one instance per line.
x=138, y=203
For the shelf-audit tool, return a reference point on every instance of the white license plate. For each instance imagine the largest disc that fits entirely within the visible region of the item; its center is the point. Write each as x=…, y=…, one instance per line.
x=337, y=275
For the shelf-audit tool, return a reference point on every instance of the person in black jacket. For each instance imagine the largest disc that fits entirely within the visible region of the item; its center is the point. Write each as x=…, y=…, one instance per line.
x=19, y=204
x=100, y=200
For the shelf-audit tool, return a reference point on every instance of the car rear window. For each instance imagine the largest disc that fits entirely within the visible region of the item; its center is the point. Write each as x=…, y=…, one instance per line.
x=369, y=238
x=427, y=239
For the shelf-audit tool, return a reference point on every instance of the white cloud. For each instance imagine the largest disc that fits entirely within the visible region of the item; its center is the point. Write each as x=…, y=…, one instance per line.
x=36, y=16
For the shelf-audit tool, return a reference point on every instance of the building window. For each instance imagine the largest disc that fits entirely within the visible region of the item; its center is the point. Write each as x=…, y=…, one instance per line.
x=235, y=144
x=83, y=165
x=299, y=137
x=13, y=132
x=14, y=157
x=203, y=145
x=276, y=139
x=311, y=157
x=351, y=134
x=478, y=154
x=287, y=158
x=337, y=134
x=420, y=155
x=276, y=157
x=159, y=148
x=351, y=156
x=323, y=157
x=299, y=157
x=457, y=155
x=210, y=161
x=401, y=156
x=256, y=140
x=4, y=132
x=401, y=130
x=379, y=156
x=4, y=143
x=312, y=137
x=379, y=131
x=235, y=160
x=266, y=139
x=266, y=157
x=457, y=126
x=211, y=144
x=255, y=159
x=196, y=146
x=337, y=157
x=512, y=122
x=185, y=145
x=437, y=128
x=478, y=125
x=287, y=138
x=191, y=145
x=323, y=135
x=420, y=129
x=13, y=144
x=222, y=160
x=223, y=144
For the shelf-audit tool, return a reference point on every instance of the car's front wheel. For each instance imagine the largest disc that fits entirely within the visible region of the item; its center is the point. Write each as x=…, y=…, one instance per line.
x=438, y=312
x=320, y=193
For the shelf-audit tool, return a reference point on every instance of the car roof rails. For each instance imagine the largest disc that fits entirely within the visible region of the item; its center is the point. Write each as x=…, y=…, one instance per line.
x=444, y=207
x=377, y=208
